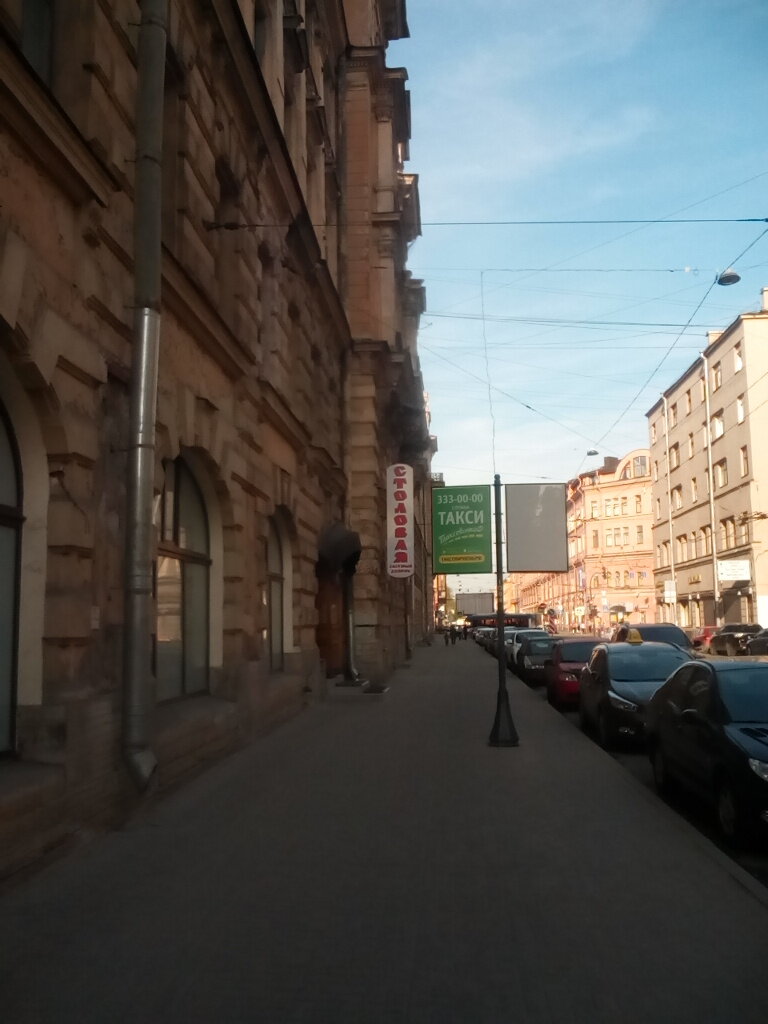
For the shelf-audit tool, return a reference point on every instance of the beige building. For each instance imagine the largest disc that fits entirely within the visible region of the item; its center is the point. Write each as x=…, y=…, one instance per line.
x=207, y=362
x=610, y=576
x=709, y=520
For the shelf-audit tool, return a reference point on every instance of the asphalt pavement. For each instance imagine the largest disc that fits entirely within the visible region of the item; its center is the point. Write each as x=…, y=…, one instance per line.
x=375, y=861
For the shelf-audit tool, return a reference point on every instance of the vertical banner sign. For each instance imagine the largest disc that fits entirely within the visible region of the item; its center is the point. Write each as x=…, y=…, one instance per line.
x=537, y=531
x=400, y=521
x=461, y=529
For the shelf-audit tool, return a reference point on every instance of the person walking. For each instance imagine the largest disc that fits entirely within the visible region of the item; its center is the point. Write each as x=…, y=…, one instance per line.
x=454, y=632
x=446, y=632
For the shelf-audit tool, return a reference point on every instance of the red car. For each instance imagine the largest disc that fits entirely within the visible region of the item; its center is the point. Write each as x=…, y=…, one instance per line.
x=702, y=636
x=569, y=656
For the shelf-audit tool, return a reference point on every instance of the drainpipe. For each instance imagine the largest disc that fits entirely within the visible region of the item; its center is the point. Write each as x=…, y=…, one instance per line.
x=137, y=653
x=712, y=524
x=669, y=510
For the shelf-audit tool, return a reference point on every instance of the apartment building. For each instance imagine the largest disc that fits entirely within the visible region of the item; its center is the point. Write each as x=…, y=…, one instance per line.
x=610, y=576
x=710, y=521
x=207, y=362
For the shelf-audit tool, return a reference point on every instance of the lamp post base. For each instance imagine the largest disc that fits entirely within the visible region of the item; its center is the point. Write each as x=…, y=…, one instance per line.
x=503, y=732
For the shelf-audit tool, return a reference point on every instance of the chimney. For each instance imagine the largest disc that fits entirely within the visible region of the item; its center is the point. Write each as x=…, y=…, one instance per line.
x=764, y=307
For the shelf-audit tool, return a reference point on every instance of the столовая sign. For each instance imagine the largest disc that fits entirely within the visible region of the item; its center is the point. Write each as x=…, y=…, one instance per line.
x=461, y=529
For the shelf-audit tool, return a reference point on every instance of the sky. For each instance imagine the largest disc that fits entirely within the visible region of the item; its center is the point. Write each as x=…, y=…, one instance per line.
x=543, y=341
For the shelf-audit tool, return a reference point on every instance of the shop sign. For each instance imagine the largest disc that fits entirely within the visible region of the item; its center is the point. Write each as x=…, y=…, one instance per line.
x=733, y=570
x=400, y=525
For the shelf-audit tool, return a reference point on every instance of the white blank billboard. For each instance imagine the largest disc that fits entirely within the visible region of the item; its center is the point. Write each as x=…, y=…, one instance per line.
x=537, y=533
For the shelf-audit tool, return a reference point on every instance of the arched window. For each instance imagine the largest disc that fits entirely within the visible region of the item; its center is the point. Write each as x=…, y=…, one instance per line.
x=276, y=585
x=182, y=588
x=10, y=547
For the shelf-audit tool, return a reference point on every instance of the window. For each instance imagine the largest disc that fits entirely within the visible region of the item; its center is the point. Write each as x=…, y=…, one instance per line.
x=640, y=466
x=691, y=446
x=639, y=538
x=617, y=537
x=608, y=506
x=673, y=414
x=658, y=555
x=718, y=427
x=638, y=503
x=738, y=360
x=740, y=409
x=702, y=388
x=595, y=538
x=688, y=400
x=181, y=585
x=658, y=508
x=677, y=497
x=655, y=469
x=625, y=536
x=694, y=489
x=706, y=480
x=682, y=547
x=608, y=539
x=37, y=36
x=624, y=503
x=595, y=584
x=653, y=433
x=674, y=456
x=717, y=376
x=275, y=599
x=617, y=579
x=594, y=510
x=729, y=530
x=10, y=543
x=706, y=539
x=704, y=436
x=665, y=552
x=721, y=473
x=744, y=460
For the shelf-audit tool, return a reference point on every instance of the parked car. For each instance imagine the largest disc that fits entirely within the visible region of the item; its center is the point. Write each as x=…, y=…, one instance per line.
x=617, y=683
x=701, y=638
x=667, y=632
x=563, y=667
x=513, y=647
x=731, y=639
x=707, y=729
x=534, y=652
x=482, y=634
x=758, y=644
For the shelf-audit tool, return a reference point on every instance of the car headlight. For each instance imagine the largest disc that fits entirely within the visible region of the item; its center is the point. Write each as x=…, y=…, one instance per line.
x=759, y=768
x=620, y=703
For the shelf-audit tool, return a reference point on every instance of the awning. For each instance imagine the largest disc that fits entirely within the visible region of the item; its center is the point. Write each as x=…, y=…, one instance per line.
x=339, y=547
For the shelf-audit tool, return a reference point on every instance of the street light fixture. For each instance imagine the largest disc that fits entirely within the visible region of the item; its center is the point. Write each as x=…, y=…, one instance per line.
x=727, y=277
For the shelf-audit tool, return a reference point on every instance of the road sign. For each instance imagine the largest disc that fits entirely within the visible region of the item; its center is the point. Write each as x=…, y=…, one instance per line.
x=461, y=529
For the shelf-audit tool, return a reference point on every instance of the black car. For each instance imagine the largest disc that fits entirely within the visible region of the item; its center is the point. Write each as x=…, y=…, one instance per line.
x=534, y=653
x=732, y=639
x=758, y=644
x=617, y=683
x=666, y=632
x=707, y=729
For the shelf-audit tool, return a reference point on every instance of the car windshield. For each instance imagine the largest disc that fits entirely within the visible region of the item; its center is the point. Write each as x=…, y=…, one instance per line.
x=536, y=646
x=633, y=665
x=578, y=651
x=668, y=634
x=745, y=693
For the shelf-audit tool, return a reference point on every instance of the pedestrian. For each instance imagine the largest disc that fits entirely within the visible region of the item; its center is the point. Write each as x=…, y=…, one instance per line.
x=464, y=631
x=445, y=635
x=454, y=633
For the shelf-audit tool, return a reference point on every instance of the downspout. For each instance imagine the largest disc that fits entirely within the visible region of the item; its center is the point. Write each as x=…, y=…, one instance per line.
x=712, y=527
x=137, y=652
x=669, y=510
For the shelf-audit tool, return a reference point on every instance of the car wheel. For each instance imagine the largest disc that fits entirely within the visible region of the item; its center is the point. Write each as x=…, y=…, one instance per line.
x=730, y=817
x=606, y=734
x=661, y=779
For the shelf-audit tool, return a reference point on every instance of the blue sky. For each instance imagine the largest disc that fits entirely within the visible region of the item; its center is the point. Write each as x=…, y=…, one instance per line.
x=541, y=342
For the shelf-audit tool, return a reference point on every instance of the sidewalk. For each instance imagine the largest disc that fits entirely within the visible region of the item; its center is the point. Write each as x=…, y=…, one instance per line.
x=375, y=862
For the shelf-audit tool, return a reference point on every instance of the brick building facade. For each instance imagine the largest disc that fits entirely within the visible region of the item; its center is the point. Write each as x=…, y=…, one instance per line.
x=287, y=380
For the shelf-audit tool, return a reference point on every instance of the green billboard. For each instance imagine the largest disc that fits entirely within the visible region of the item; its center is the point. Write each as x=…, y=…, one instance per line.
x=461, y=529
